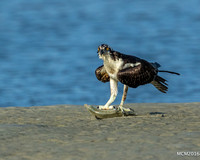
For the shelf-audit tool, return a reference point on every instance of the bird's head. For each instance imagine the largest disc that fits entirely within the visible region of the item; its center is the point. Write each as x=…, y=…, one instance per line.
x=103, y=51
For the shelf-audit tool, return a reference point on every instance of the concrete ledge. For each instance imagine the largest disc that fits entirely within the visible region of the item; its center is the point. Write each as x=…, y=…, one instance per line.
x=70, y=132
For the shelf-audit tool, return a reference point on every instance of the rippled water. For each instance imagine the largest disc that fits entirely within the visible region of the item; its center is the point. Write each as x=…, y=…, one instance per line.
x=48, y=48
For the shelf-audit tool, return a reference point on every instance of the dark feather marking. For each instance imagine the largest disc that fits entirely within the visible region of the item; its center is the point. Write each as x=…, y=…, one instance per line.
x=160, y=79
x=160, y=84
x=139, y=75
x=169, y=72
x=101, y=74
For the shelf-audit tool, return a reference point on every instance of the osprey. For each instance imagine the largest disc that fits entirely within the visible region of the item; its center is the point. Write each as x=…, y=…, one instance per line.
x=130, y=71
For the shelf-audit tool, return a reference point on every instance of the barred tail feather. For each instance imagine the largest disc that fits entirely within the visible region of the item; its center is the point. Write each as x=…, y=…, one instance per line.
x=160, y=84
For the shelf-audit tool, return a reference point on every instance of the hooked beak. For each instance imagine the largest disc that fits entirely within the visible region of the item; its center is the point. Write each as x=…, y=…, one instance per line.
x=100, y=52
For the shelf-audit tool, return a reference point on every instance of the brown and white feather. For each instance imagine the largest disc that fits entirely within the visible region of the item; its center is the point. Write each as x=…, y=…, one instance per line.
x=129, y=70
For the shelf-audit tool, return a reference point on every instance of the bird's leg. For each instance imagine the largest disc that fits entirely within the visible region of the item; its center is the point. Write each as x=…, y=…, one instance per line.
x=113, y=95
x=123, y=98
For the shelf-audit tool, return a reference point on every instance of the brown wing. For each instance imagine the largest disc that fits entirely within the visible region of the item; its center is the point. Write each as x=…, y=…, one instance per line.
x=101, y=74
x=139, y=75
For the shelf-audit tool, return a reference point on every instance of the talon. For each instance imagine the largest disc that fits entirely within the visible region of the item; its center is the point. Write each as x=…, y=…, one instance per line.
x=106, y=107
x=123, y=110
x=111, y=107
x=128, y=111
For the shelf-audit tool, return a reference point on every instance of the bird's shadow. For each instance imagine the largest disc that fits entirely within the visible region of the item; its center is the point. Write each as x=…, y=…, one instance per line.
x=157, y=113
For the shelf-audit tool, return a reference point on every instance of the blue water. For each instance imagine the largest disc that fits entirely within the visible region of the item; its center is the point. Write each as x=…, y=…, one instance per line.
x=48, y=48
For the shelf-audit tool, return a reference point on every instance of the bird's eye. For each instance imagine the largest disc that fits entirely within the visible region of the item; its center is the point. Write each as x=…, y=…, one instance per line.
x=107, y=48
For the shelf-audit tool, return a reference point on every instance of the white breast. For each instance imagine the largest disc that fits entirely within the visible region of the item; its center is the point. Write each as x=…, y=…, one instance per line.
x=113, y=67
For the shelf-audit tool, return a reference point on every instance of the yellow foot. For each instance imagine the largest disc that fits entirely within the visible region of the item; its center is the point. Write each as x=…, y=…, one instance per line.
x=127, y=111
